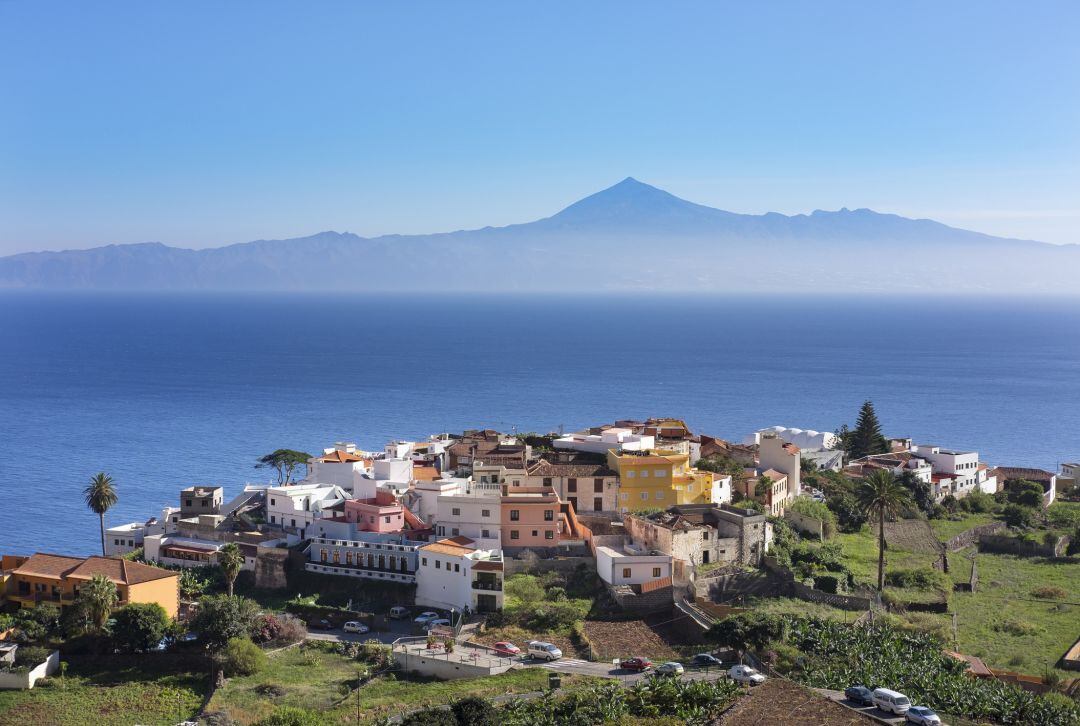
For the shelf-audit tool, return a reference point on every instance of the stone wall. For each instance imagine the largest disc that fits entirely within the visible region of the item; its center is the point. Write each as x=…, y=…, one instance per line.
x=971, y=536
x=564, y=565
x=270, y=568
x=806, y=524
x=662, y=599
x=1016, y=546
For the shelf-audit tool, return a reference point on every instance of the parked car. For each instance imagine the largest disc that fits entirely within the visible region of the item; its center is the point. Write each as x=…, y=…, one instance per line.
x=745, y=674
x=860, y=694
x=438, y=623
x=321, y=624
x=891, y=701
x=354, y=627
x=399, y=612
x=706, y=660
x=636, y=664
x=671, y=668
x=543, y=651
x=506, y=648
x=922, y=715
x=425, y=617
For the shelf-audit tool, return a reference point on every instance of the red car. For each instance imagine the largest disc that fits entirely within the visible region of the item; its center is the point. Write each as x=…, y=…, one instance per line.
x=506, y=648
x=636, y=664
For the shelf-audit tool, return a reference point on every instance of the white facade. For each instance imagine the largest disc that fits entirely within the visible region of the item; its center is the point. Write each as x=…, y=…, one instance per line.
x=627, y=565
x=124, y=538
x=423, y=499
x=955, y=472
x=368, y=555
x=459, y=576
x=392, y=470
x=614, y=438
x=296, y=506
x=721, y=489
x=803, y=438
x=475, y=513
x=775, y=453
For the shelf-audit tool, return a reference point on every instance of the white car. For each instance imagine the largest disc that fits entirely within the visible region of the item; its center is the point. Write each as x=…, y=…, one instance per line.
x=745, y=674
x=543, y=651
x=891, y=701
x=354, y=627
x=671, y=668
x=438, y=623
x=425, y=618
x=922, y=715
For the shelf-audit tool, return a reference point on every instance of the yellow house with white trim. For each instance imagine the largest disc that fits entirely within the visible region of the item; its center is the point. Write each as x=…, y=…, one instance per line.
x=658, y=479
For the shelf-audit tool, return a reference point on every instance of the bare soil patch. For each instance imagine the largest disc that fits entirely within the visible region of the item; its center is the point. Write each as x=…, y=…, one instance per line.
x=912, y=535
x=627, y=638
x=779, y=701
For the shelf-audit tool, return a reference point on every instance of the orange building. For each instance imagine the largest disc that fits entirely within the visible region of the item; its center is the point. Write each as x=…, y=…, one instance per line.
x=57, y=579
x=531, y=517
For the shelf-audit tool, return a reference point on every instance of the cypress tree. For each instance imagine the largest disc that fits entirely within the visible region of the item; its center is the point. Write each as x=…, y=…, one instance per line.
x=867, y=437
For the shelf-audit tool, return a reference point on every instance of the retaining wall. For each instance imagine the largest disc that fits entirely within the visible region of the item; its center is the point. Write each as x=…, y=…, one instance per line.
x=1016, y=546
x=971, y=536
x=27, y=679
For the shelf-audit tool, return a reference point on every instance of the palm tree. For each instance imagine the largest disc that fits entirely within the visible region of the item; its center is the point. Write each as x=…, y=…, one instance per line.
x=98, y=597
x=231, y=561
x=100, y=497
x=881, y=494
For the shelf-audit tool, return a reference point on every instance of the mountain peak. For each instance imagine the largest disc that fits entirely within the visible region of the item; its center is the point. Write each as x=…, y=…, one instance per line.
x=631, y=203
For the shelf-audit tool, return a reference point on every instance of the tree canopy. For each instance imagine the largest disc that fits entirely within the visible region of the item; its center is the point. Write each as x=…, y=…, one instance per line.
x=284, y=462
x=221, y=618
x=100, y=498
x=866, y=438
x=96, y=599
x=139, y=627
x=882, y=495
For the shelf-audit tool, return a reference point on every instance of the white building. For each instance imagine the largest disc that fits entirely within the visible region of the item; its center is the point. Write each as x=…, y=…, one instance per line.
x=456, y=573
x=337, y=548
x=190, y=552
x=613, y=438
x=124, y=538
x=803, y=438
x=294, y=507
x=783, y=456
x=423, y=499
x=343, y=465
x=626, y=564
x=474, y=512
x=721, y=489
x=955, y=472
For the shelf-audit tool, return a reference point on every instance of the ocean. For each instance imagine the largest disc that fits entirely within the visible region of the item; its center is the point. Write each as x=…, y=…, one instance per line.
x=167, y=390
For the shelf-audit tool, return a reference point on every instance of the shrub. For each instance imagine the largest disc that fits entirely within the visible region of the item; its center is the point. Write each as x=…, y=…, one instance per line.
x=978, y=502
x=848, y=516
x=430, y=717
x=1023, y=492
x=221, y=618
x=1016, y=515
x=833, y=582
x=241, y=657
x=29, y=656
x=923, y=578
x=284, y=628
x=39, y=623
x=475, y=711
x=290, y=716
x=818, y=510
x=1016, y=627
x=1063, y=516
x=525, y=588
x=139, y=627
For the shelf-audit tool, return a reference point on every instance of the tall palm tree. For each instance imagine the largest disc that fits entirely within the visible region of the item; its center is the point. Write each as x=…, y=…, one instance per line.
x=881, y=494
x=100, y=497
x=231, y=561
x=98, y=597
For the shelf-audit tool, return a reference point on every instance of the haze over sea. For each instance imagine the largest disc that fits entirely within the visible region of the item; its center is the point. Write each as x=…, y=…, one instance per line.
x=163, y=391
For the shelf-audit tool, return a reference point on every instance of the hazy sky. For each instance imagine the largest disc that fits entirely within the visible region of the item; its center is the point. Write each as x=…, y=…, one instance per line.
x=198, y=124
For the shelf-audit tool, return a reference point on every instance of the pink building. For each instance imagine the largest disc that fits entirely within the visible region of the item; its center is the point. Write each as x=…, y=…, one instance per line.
x=381, y=514
x=531, y=517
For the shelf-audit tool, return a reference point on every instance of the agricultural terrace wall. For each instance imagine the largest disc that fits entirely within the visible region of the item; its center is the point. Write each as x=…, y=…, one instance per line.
x=1016, y=546
x=806, y=524
x=971, y=536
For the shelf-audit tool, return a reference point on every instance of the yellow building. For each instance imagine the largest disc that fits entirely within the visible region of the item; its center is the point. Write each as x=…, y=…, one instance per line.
x=57, y=579
x=658, y=479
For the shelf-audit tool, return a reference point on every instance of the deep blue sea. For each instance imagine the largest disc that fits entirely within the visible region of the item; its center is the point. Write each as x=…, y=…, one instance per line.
x=163, y=391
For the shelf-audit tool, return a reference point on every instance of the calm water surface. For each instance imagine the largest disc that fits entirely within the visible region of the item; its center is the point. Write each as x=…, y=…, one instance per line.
x=163, y=391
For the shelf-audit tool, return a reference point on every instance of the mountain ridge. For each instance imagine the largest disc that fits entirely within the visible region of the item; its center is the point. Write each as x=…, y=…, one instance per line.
x=630, y=235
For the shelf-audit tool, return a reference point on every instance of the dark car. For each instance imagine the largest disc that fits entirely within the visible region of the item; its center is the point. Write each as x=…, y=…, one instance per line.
x=636, y=664
x=323, y=624
x=705, y=660
x=859, y=694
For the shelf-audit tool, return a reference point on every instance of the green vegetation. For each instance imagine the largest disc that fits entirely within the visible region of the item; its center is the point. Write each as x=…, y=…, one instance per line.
x=117, y=691
x=866, y=438
x=880, y=495
x=138, y=627
x=221, y=618
x=817, y=510
x=837, y=656
x=1007, y=593
x=100, y=497
x=946, y=529
x=241, y=657
x=285, y=462
x=547, y=603
x=230, y=560
x=319, y=678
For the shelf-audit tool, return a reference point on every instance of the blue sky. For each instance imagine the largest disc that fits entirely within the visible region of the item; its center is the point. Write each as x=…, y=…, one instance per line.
x=199, y=124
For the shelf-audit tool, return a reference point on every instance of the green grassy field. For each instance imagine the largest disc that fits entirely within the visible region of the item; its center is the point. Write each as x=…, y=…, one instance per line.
x=946, y=529
x=1005, y=625
x=802, y=608
x=325, y=682
x=861, y=556
x=120, y=692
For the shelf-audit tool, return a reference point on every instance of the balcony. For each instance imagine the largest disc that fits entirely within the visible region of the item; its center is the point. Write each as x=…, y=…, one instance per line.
x=493, y=585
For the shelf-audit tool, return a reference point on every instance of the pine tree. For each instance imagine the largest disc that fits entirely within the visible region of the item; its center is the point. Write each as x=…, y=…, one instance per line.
x=867, y=437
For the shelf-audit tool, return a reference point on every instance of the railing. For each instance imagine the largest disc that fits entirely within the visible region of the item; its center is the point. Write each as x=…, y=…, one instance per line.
x=487, y=585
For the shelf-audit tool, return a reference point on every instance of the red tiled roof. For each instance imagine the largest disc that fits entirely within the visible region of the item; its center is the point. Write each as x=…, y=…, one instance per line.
x=339, y=457
x=45, y=565
x=120, y=570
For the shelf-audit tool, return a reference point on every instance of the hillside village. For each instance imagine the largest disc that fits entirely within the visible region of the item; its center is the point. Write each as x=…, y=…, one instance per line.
x=464, y=554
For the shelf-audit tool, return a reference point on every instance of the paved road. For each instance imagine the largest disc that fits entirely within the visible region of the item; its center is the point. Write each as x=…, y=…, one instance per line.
x=871, y=711
x=607, y=670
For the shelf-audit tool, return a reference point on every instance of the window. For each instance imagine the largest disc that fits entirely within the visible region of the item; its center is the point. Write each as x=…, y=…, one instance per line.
x=348, y=558
x=438, y=564
x=456, y=512
x=624, y=496
x=598, y=485
x=273, y=519
x=454, y=532
x=337, y=557
x=644, y=496
x=513, y=534
x=659, y=472
x=659, y=495
x=485, y=512
x=630, y=474
x=571, y=485
x=423, y=561
x=457, y=567
x=294, y=523
x=626, y=572
x=272, y=501
x=549, y=515
x=656, y=572
x=187, y=502
x=515, y=515
x=705, y=536
x=485, y=534
x=549, y=534
x=547, y=481
x=386, y=519
x=323, y=555
x=644, y=473
x=536, y=533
